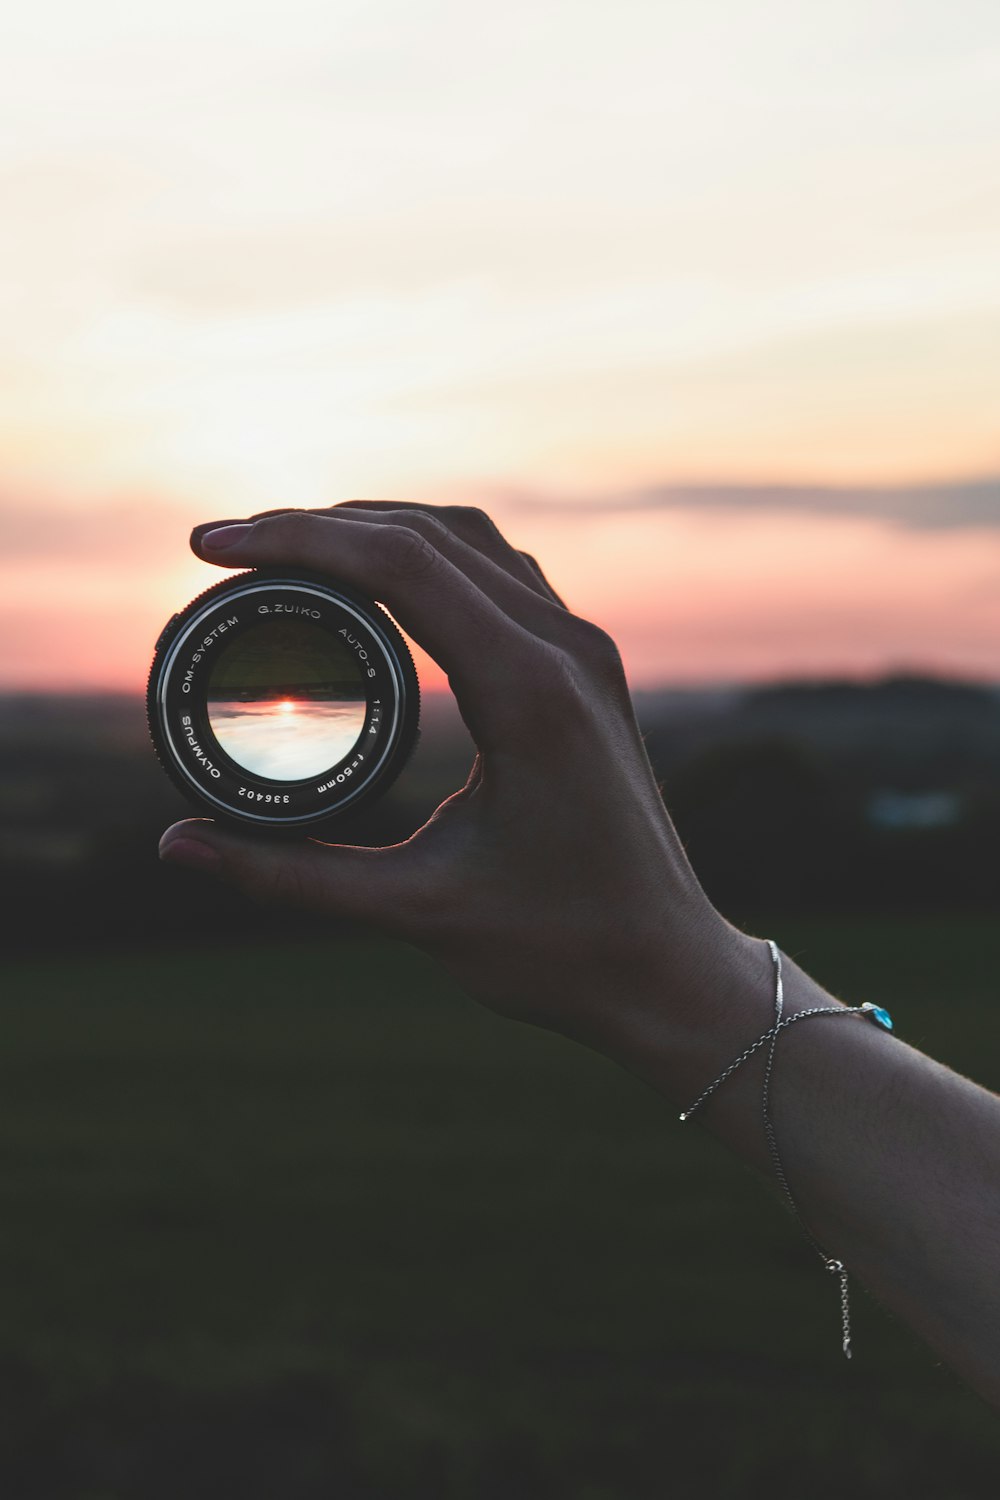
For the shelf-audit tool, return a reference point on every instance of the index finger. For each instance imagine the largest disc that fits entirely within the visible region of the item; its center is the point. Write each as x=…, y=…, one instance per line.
x=467, y=523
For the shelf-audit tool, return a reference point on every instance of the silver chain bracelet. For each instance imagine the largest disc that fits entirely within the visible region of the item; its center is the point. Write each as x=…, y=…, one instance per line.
x=871, y=1012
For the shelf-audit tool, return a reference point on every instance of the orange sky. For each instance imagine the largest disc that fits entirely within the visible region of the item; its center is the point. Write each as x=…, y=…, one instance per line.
x=522, y=256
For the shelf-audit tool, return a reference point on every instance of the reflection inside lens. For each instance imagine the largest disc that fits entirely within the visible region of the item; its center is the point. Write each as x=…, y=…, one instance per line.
x=286, y=700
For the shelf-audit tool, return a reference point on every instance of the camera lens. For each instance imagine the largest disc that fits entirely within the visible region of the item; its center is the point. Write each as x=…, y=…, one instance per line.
x=280, y=698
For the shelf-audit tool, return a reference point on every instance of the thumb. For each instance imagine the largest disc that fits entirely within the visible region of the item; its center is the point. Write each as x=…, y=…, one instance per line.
x=371, y=885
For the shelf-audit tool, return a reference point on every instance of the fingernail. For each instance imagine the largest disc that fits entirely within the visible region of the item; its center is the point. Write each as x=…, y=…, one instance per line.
x=225, y=536
x=191, y=853
x=204, y=527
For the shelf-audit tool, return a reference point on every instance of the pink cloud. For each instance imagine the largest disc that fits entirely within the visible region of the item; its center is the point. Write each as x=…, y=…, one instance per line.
x=120, y=532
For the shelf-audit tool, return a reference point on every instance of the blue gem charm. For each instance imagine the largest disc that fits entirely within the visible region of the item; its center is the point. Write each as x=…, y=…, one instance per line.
x=878, y=1015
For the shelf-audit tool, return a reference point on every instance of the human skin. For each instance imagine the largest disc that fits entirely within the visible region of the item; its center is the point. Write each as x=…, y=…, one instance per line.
x=555, y=889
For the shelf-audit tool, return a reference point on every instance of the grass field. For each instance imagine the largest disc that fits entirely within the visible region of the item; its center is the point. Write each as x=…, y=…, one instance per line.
x=303, y=1222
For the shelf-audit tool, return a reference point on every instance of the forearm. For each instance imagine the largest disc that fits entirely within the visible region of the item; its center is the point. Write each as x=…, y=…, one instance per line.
x=893, y=1159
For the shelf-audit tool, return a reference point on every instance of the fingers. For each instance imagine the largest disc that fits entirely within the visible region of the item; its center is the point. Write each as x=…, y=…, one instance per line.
x=470, y=540
x=542, y=582
x=512, y=650
x=378, y=885
x=488, y=655
x=441, y=524
x=468, y=525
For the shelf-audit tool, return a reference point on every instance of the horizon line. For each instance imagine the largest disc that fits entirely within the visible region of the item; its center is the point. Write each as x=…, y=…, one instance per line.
x=700, y=685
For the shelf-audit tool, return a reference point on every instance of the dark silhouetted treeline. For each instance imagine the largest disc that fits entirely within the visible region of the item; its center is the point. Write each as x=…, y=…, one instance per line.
x=836, y=796
x=803, y=797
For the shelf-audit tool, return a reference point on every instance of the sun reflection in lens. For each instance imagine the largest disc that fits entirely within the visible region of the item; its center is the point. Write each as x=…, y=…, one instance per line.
x=286, y=700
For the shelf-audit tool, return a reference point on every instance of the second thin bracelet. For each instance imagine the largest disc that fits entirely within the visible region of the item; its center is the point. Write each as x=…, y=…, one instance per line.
x=874, y=1013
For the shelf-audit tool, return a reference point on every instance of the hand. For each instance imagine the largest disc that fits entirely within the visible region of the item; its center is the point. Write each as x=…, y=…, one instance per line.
x=554, y=887
x=553, y=884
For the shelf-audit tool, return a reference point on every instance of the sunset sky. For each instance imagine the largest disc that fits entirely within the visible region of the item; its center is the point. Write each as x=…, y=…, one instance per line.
x=701, y=300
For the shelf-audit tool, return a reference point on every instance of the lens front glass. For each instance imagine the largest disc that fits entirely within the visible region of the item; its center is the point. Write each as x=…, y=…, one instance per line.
x=286, y=700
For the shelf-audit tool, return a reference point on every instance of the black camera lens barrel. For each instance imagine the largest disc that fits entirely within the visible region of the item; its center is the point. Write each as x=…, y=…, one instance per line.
x=281, y=698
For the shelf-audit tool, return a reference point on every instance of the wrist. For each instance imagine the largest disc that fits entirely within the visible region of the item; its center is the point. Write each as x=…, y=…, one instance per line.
x=689, y=1003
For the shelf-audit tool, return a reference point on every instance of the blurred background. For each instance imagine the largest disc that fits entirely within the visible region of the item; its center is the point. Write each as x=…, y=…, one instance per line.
x=701, y=302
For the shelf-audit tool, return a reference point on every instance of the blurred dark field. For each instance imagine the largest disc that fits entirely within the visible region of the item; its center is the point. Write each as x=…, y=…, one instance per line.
x=285, y=1215
x=306, y=1223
